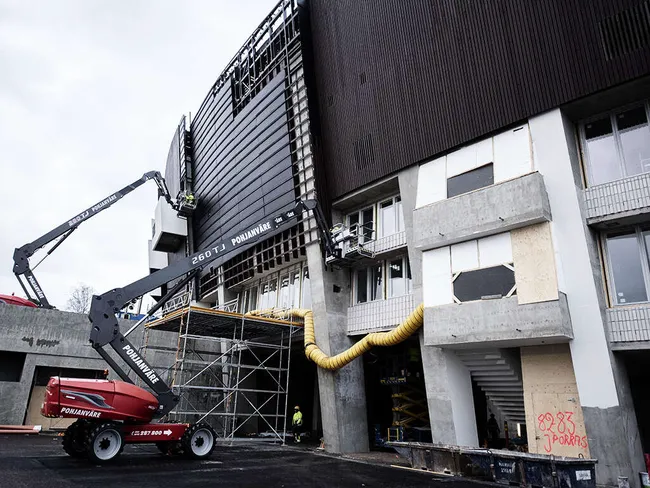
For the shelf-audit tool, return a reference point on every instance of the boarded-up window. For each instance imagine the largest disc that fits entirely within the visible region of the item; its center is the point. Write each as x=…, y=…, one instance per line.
x=470, y=181
x=483, y=283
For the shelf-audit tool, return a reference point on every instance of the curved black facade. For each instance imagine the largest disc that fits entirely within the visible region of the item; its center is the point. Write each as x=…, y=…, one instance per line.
x=399, y=82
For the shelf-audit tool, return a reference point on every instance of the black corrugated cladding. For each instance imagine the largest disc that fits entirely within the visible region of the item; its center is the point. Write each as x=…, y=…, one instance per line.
x=419, y=77
x=242, y=162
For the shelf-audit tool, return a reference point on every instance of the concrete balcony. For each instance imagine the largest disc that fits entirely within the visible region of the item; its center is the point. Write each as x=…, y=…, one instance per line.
x=629, y=327
x=389, y=243
x=515, y=203
x=380, y=315
x=500, y=322
x=618, y=200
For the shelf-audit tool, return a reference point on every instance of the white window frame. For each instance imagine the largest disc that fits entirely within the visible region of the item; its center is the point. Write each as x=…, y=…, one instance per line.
x=359, y=214
x=385, y=286
x=379, y=228
x=645, y=266
x=301, y=269
x=616, y=135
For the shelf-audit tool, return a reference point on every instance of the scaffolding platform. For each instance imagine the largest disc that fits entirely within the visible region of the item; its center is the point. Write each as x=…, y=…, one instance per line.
x=230, y=370
x=220, y=323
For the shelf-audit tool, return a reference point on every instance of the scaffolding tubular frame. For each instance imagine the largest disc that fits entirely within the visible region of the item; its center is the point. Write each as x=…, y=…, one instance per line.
x=212, y=372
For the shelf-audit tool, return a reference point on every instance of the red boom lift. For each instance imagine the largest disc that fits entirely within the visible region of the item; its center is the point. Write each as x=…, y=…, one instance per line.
x=112, y=413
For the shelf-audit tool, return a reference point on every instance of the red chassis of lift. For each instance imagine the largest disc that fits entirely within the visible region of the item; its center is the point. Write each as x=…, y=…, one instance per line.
x=125, y=411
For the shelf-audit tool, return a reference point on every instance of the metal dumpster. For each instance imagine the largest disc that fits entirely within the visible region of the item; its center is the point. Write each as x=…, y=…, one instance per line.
x=505, y=467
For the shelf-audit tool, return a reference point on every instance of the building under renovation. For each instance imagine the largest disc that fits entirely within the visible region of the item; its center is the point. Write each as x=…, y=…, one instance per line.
x=490, y=160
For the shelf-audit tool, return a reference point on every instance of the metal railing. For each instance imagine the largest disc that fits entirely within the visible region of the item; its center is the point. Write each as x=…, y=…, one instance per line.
x=629, y=324
x=379, y=315
x=618, y=196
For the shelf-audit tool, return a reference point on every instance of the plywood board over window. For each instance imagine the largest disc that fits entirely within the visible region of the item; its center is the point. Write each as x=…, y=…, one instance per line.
x=534, y=260
x=554, y=417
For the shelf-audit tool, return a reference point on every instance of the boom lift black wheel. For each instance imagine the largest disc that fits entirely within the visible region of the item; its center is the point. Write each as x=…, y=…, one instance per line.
x=103, y=442
x=73, y=439
x=198, y=441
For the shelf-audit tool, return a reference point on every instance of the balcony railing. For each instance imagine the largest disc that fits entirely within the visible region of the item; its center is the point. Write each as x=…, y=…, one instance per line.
x=626, y=195
x=379, y=315
x=629, y=324
x=388, y=243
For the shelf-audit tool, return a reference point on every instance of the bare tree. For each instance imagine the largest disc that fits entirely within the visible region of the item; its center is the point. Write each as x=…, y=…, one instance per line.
x=79, y=301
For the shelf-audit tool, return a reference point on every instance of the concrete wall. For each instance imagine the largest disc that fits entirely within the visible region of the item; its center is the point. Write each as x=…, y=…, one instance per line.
x=449, y=398
x=49, y=338
x=609, y=417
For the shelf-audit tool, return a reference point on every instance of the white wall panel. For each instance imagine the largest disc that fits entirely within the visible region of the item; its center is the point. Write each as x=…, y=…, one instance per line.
x=512, y=154
x=495, y=250
x=464, y=256
x=484, y=152
x=432, y=182
x=436, y=277
x=461, y=161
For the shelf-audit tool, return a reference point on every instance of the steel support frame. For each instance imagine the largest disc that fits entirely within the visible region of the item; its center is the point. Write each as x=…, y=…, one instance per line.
x=218, y=371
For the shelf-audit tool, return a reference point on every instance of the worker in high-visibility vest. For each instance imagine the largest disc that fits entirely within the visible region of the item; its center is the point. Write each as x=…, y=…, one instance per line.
x=296, y=423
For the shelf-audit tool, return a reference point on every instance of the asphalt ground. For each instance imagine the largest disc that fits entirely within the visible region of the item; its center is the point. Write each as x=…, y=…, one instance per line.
x=39, y=462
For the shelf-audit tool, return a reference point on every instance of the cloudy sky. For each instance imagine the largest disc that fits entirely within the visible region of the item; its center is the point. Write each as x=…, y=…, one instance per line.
x=90, y=94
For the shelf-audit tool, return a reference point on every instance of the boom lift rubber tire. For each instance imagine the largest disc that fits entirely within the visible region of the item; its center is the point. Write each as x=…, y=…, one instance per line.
x=73, y=439
x=103, y=442
x=198, y=441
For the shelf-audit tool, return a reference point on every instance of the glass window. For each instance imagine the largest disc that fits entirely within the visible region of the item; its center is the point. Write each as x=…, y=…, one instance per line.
x=295, y=288
x=387, y=218
x=368, y=224
x=400, y=214
x=635, y=140
x=624, y=253
x=396, y=283
x=306, y=290
x=470, y=181
x=362, y=285
x=284, y=297
x=617, y=145
x=376, y=291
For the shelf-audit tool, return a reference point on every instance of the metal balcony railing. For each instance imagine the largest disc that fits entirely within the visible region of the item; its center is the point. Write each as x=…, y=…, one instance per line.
x=618, y=196
x=379, y=315
x=629, y=324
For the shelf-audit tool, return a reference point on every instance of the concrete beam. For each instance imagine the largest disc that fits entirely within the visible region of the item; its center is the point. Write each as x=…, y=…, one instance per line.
x=492, y=210
x=503, y=322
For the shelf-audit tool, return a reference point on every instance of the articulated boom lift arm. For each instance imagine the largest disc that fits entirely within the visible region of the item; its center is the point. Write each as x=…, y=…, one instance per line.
x=105, y=329
x=25, y=274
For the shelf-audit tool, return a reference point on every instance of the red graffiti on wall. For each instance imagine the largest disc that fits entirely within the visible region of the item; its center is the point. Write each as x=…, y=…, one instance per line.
x=560, y=429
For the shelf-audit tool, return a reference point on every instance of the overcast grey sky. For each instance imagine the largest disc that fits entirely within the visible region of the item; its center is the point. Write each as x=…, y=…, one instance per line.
x=90, y=94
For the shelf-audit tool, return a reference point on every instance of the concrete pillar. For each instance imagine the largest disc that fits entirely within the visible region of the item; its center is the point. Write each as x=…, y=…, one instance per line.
x=342, y=392
x=448, y=382
x=610, y=423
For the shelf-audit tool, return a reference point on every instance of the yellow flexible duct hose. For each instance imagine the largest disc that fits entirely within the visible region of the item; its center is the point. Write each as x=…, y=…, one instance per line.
x=412, y=323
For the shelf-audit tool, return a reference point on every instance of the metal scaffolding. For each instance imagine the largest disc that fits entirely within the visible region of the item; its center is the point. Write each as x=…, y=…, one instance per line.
x=230, y=370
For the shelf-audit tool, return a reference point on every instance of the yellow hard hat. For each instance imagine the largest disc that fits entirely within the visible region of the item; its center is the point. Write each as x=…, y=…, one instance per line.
x=297, y=407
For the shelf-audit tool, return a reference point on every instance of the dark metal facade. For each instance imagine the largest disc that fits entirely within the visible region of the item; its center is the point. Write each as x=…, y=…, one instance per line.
x=251, y=151
x=402, y=81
